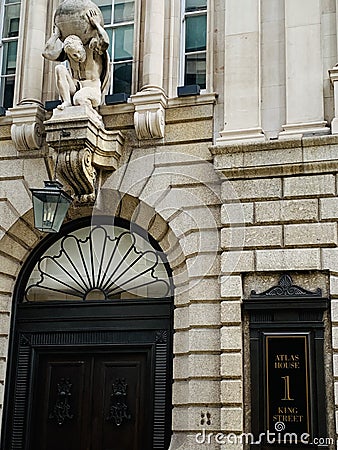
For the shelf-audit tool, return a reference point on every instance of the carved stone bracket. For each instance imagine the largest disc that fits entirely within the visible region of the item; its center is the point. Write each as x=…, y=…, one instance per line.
x=85, y=148
x=149, y=116
x=27, y=127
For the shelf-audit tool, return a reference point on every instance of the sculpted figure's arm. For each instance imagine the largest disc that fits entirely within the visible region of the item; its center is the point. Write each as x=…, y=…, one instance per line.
x=102, y=43
x=54, y=47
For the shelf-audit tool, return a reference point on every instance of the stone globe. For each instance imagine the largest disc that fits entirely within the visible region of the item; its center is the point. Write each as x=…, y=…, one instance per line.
x=70, y=17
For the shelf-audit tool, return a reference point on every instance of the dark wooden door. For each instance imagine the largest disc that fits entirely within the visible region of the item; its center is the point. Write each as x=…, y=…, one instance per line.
x=92, y=401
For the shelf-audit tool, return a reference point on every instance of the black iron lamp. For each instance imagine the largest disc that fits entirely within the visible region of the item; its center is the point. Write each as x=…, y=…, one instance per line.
x=50, y=203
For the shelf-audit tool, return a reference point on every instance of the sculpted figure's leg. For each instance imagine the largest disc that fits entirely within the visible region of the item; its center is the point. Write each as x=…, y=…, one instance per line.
x=65, y=85
x=90, y=96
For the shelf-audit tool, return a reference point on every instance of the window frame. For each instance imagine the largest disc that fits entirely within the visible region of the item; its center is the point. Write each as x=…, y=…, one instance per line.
x=136, y=33
x=5, y=40
x=183, y=53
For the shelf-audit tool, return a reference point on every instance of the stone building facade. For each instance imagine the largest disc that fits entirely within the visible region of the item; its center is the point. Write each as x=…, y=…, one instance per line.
x=237, y=183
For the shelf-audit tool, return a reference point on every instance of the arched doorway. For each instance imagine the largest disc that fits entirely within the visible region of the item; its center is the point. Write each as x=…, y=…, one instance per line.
x=91, y=352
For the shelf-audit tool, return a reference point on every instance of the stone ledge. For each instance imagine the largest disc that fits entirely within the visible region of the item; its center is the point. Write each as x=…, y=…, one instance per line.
x=254, y=160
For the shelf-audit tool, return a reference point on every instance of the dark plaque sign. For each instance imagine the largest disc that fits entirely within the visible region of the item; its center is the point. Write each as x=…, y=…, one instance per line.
x=287, y=383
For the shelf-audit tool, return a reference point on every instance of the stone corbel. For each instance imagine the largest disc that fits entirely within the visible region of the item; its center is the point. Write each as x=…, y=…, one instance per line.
x=27, y=126
x=83, y=148
x=149, y=116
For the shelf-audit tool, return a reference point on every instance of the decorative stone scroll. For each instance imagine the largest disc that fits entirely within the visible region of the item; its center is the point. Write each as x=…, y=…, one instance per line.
x=27, y=127
x=86, y=149
x=149, y=116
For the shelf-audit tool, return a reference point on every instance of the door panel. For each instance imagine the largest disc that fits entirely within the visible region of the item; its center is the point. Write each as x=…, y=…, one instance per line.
x=92, y=401
x=60, y=409
x=119, y=409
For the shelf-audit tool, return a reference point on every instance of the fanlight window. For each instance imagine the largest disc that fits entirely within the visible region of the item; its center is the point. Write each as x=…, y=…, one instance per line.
x=99, y=262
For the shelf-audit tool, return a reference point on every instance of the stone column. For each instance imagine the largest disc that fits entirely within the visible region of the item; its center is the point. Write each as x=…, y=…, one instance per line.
x=153, y=45
x=27, y=116
x=304, y=69
x=334, y=80
x=242, y=73
x=30, y=90
x=150, y=102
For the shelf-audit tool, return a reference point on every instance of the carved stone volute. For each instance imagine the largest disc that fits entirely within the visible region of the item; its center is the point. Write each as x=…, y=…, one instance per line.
x=84, y=148
x=149, y=116
x=27, y=127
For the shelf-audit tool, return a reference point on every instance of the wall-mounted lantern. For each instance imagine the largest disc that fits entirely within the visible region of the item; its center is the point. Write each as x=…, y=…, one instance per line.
x=50, y=205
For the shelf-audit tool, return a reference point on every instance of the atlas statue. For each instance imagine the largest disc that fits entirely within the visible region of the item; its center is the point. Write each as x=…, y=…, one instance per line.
x=79, y=37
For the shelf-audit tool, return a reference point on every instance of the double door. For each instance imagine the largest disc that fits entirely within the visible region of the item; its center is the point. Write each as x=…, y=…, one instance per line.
x=85, y=400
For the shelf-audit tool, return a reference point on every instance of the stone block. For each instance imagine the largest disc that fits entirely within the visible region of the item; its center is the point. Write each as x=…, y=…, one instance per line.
x=5, y=302
x=181, y=367
x=25, y=233
x=231, y=312
x=237, y=213
x=334, y=310
x=8, y=215
x=204, y=365
x=231, y=338
x=335, y=365
x=335, y=337
x=204, y=289
x=298, y=259
x=180, y=392
x=138, y=172
x=314, y=234
x=181, y=342
x=204, y=391
x=11, y=247
x=231, y=286
x=233, y=262
x=9, y=266
x=196, y=218
x=287, y=211
x=204, y=339
x=330, y=259
x=231, y=391
x=3, y=346
x=196, y=131
x=231, y=365
x=204, y=264
x=171, y=200
x=252, y=237
x=336, y=393
x=204, y=314
x=328, y=208
x=6, y=283
x=200, y=241
x=10, y=168
x=333, y=286
x=312, y=185
x=181, y=318
x=2, y=370
x=252, y=189
x=232, y=419
x=5, y=323
x=178, y=154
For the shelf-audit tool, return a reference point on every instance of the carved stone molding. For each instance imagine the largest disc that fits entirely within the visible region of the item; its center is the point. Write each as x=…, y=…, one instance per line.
x=27, y=126
x=149, y=116
x=84, y=148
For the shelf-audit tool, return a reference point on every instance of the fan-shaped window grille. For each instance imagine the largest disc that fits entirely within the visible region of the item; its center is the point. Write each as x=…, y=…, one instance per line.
x=101, y=262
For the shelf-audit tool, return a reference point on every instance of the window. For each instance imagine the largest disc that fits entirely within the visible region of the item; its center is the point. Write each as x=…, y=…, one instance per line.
x=10, y=15
x=194, y=42
x=119, y=22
